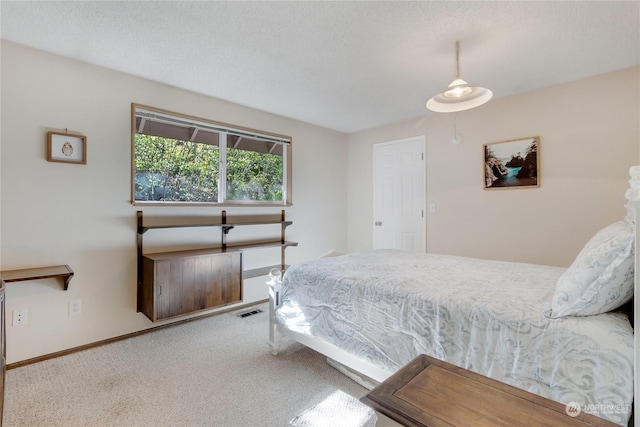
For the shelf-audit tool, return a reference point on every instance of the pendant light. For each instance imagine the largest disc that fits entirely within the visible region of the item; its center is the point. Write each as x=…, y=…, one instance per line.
x=459, y=96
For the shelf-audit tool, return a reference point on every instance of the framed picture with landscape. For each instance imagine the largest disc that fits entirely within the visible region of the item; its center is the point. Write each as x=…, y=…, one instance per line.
x=512, y=164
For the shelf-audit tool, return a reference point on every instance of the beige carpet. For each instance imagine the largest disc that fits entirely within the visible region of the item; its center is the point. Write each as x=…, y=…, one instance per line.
x=216, y=371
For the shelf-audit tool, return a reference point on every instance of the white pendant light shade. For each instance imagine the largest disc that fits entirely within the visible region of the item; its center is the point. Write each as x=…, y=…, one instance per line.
x=459, y=96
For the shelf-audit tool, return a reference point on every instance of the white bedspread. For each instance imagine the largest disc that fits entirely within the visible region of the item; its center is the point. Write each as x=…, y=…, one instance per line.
x=486, y=316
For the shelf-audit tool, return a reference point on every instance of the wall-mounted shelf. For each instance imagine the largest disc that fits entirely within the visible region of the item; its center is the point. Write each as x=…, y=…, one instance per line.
x=185, y=222
x=227, y=278
x=63, y=271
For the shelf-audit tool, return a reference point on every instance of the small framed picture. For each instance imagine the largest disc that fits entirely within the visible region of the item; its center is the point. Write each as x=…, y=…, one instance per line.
x=512, y=164
x=66, y=148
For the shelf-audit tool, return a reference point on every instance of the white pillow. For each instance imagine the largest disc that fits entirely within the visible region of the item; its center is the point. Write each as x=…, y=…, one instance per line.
x=601, y=277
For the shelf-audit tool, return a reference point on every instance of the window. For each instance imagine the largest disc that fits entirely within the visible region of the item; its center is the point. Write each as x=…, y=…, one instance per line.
x=180, y=159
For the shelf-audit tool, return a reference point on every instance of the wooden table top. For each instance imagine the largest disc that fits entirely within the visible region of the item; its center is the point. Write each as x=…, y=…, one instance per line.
x=430, y=392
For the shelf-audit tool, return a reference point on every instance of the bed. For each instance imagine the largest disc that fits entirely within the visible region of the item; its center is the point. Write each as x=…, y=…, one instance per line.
x=562, y=333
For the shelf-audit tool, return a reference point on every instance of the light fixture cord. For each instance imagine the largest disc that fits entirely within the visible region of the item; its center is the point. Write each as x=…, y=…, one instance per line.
x=457, y=59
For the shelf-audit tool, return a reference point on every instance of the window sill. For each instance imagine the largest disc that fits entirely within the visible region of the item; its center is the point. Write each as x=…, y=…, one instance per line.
x=248, y=203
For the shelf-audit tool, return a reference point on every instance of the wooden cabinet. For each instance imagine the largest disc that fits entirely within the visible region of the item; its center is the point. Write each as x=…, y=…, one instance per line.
x=430, y=392
x=185, y=282
x=179, y=283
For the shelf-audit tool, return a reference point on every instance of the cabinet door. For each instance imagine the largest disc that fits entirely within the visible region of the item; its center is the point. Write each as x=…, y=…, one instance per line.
x=218, y=280
x=168, y=288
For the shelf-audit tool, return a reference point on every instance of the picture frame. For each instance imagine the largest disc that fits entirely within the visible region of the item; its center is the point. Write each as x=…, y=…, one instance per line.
x=513, y=163
x=66, y=148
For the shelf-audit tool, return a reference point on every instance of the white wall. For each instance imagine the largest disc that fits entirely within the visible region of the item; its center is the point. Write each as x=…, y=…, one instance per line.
x=56, y=213
x=590, y=136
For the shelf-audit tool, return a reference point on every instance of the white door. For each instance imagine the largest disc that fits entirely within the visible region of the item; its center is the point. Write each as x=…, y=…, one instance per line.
x=398, y=195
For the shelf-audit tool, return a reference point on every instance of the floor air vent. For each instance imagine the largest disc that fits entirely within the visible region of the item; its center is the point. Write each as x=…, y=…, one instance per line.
x=249, y=313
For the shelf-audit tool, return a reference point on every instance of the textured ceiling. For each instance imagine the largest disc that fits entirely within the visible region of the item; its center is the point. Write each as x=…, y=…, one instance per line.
x=347, y=66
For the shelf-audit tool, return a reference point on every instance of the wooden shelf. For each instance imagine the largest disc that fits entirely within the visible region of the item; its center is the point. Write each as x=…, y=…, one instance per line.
x=157, y=256
x=201, y=221
x=147, y=289
x=63, y=271
x=218, y=250
x=172, y=222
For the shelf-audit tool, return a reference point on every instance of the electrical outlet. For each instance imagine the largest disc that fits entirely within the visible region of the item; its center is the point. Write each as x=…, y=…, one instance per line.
x=20, y=317
x=75, y=307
